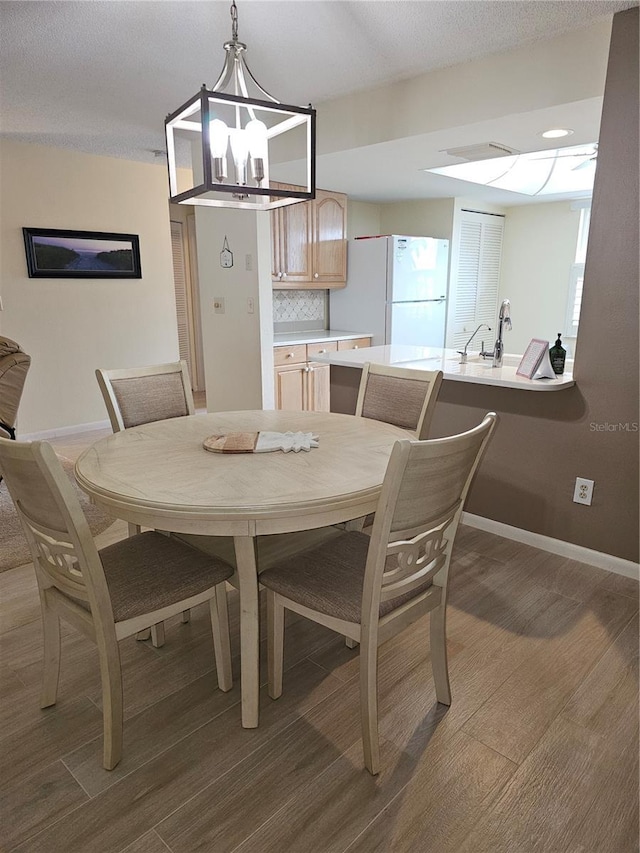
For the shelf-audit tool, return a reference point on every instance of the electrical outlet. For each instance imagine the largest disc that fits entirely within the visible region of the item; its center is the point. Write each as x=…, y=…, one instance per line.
x=218, y=305
x=250, y=305
x=583, y=492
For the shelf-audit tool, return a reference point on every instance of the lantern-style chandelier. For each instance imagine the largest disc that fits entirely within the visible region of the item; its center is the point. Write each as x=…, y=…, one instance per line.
x=258, y=134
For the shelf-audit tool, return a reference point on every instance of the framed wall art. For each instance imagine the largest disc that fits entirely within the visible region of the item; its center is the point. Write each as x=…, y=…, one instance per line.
x=53, y=253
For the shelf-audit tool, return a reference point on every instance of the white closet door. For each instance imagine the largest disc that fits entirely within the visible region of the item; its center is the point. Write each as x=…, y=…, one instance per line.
x=180, y=283
x=475, y=278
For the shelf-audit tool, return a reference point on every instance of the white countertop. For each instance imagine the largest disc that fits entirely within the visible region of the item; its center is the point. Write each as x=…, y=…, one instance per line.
x=477, y=370
x=316, y=337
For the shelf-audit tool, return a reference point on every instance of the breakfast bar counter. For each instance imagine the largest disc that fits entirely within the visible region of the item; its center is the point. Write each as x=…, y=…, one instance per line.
x=476, y=370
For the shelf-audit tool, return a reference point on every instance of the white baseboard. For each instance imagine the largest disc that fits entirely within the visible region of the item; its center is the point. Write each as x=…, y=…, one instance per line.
x=62, y=431
x=555, y=546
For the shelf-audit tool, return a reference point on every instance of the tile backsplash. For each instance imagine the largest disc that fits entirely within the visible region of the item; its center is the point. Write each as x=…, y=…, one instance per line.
x=300, y=310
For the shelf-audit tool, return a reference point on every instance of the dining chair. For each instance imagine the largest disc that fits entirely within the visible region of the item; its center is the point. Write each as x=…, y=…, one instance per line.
x=141, y=395
x=106, y=594
x=370, y=588
x=399, y=396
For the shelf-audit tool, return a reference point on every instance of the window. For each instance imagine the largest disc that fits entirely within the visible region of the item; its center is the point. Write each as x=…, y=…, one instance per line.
x=576, y=279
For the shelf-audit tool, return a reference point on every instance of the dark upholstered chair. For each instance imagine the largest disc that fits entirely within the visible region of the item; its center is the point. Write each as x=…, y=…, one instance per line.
x=370, y=588
x=108, y=594
x=14, y=366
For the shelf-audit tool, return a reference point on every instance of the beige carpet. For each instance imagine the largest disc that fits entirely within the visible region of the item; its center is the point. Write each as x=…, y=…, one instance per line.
x=14, y=550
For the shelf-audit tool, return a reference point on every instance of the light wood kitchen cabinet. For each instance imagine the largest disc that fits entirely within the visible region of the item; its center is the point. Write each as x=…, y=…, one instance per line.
x=354, y=343
x=309, y=243
x=301, y=385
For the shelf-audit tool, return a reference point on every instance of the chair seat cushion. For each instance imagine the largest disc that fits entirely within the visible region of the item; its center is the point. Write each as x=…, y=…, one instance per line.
x=330, y=577
x=149, y=571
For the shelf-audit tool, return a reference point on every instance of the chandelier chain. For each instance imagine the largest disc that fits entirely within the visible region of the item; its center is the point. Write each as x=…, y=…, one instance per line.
x=234, y=21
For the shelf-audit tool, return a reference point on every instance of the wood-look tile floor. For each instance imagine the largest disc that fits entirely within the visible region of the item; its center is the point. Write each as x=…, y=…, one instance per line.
x=538, y=751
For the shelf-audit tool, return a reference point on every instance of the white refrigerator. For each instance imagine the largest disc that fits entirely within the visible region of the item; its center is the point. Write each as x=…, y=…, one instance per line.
x=396, y=290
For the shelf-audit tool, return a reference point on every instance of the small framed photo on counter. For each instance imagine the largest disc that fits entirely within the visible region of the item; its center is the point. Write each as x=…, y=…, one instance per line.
x=535, y=362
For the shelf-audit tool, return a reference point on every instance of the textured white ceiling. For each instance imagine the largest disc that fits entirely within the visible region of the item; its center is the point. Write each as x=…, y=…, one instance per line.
x=101, y=76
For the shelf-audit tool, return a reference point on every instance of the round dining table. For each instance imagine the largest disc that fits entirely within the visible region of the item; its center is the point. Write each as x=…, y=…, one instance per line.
x=159, y=475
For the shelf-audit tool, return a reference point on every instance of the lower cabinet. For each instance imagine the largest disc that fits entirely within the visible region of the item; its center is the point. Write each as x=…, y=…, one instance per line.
x=302, y=384
x=303, y=387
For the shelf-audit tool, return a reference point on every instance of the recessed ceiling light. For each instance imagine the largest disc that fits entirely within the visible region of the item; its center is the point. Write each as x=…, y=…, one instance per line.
x=556, y=133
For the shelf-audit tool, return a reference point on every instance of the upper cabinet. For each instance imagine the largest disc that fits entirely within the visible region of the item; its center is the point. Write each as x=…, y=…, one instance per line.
x=309, y=243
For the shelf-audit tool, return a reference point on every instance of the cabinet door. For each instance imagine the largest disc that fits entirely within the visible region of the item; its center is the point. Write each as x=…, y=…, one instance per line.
x=291, y=385
x=318, y=381
x=296, y=256
x=329, y=237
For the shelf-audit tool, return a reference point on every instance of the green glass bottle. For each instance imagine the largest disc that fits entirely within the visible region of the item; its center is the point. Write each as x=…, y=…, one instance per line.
x=557, y=354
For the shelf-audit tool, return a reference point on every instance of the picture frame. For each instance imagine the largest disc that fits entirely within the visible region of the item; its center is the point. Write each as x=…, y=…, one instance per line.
x=532, y=359
x=59, y=253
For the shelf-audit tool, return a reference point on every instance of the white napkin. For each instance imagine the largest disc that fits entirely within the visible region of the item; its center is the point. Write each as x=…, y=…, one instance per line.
x=286, y=441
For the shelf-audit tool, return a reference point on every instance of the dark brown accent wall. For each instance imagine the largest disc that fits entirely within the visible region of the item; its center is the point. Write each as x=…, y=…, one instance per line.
x=547, y=439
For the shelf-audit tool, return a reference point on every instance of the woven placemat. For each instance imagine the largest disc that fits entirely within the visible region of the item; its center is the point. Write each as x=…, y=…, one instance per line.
x=232, y=442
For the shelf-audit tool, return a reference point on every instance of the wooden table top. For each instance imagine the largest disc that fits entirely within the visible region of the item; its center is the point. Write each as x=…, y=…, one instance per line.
x=159, y=475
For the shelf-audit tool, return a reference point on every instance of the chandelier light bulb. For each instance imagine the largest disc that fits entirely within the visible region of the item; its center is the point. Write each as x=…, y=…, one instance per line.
x=256, y=131
x=218, y=142
x=240, y=152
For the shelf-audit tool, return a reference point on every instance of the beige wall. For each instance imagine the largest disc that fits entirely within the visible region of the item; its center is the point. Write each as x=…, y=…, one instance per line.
x=237, y=345
x=71, y=326
x=538, y=251
x=363, y=219
x=424, y=218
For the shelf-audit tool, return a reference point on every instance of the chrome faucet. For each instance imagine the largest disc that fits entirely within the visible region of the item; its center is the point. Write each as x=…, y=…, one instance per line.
x=504, y=322
x=463, y=353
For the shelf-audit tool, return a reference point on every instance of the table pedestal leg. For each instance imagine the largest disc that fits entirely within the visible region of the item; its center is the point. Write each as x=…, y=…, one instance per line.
x=249, y=629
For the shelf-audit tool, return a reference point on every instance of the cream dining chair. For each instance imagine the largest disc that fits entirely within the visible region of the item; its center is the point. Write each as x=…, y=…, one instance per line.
x=108, y=594
x=140, y=395
x=370, y=588
x=399, y=396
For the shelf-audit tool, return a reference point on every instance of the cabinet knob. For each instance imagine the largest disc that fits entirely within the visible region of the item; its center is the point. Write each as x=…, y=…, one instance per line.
x=290, y=354
x=279, y=275
x=316, y=275
x=355, y=346
x=284, y=275
x=310, y=369
x=320, y=351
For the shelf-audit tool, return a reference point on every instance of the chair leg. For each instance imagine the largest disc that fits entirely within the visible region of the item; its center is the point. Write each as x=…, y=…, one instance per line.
x=438, y=635
x=349, y=643
x=51, y=674
x=186, y=617
x=157, y=635
x=112, y=710
x=220, y=629
x=369, y=702
x=133, y=529
x=275, y=644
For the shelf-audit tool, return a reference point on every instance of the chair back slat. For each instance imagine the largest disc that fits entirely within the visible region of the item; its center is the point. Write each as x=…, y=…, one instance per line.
x=412, y=563
x=420, y=505
x=141, y=395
